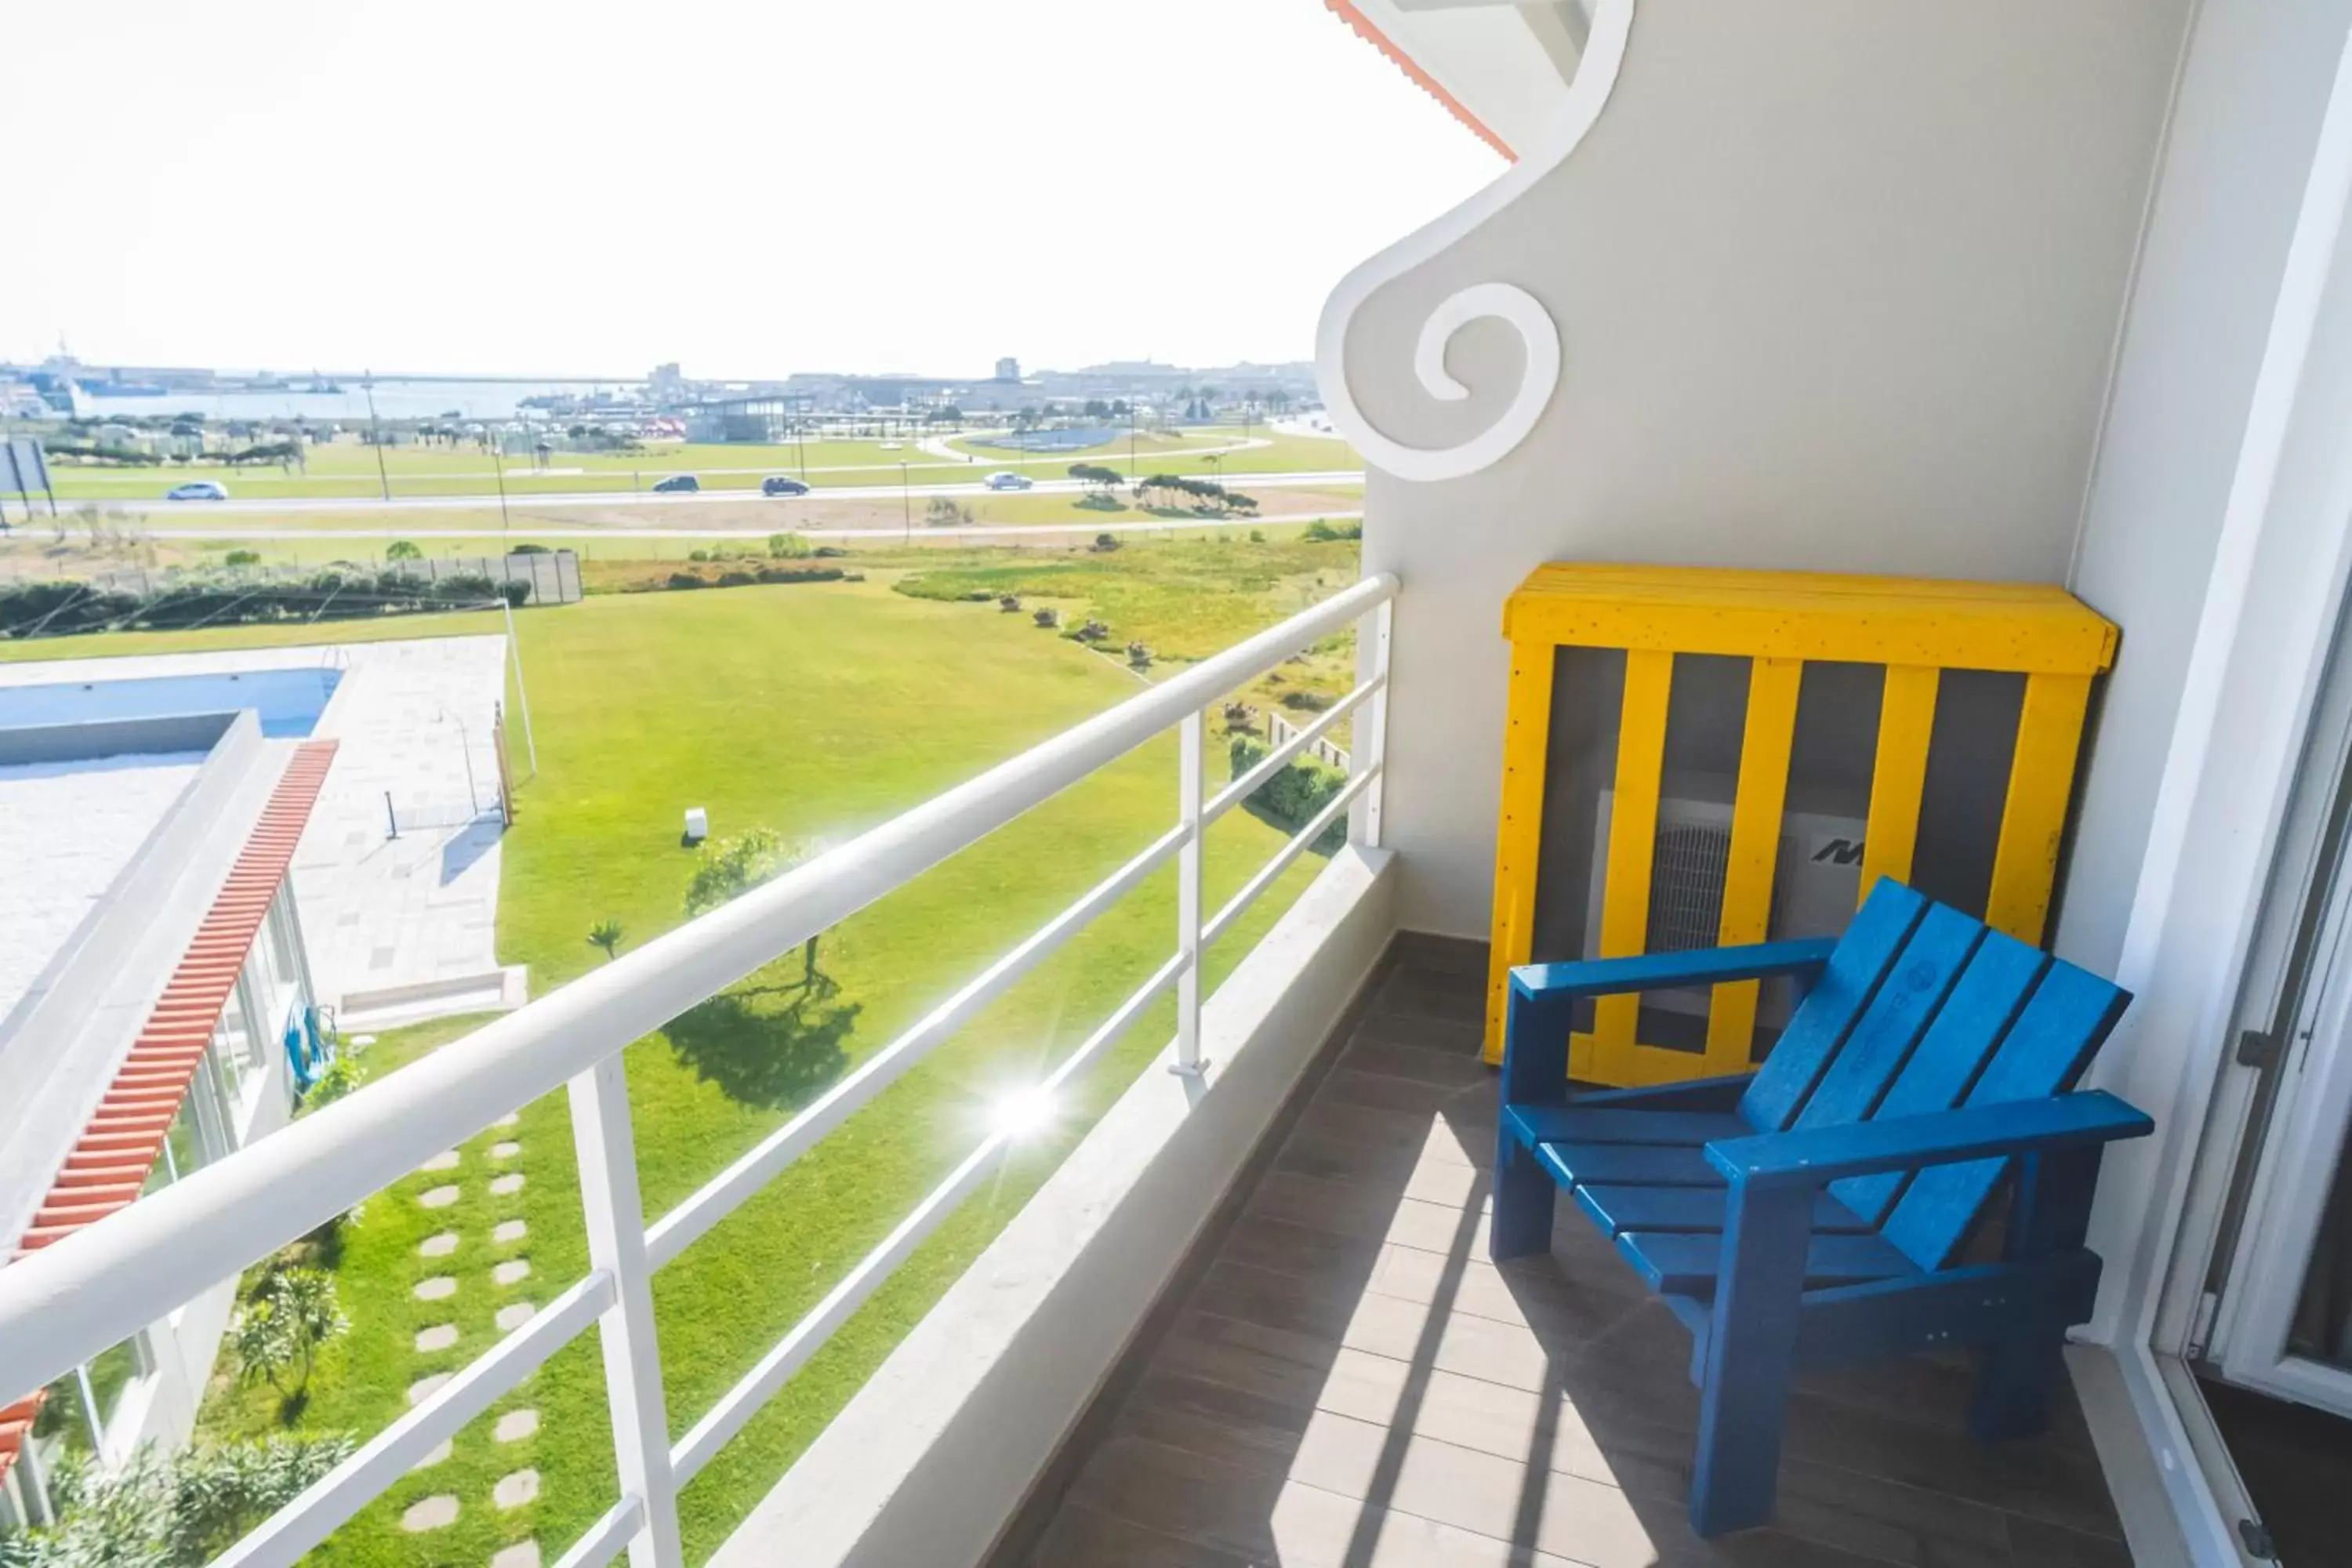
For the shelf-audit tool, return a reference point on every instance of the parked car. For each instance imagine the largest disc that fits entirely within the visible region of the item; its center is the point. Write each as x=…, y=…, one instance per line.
x=676, y=483
x=779, y=485
x=198, y=489
x=1009, y=481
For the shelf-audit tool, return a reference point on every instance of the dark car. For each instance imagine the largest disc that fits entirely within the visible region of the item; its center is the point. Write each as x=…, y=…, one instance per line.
x=675, y=483
x=778, y=485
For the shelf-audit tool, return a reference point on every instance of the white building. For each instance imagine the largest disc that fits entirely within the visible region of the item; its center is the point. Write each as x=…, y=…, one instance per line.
x=156, y=1013
x=2003, y=292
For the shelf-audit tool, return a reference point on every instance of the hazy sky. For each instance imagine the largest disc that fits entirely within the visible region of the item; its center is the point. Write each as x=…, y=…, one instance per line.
x=751, y=189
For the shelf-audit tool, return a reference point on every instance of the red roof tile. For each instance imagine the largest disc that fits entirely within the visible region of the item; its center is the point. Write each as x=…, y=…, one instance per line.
x=1370, y=34
x=110, y=1163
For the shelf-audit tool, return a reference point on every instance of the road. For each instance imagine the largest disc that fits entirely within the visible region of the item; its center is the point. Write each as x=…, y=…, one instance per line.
x=933, y=535
x=536, y=500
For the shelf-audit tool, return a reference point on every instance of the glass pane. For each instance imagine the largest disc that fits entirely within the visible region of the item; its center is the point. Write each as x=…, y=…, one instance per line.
x=2322, y=1329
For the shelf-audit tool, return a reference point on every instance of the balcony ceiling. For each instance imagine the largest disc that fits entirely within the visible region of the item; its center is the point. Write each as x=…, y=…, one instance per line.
x=1501, y=68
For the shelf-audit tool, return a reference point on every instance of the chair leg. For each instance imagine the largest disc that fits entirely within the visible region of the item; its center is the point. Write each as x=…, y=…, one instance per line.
x=1524, y=1196
x=1750, y=1360
x=2022, y=1369
x=2015, y=1383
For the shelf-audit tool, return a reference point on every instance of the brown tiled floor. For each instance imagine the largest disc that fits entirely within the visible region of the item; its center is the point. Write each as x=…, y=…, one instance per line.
x=1350, y=1381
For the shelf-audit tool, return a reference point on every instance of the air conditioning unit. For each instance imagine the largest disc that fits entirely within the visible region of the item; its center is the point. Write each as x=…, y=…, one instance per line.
x=1816, y=882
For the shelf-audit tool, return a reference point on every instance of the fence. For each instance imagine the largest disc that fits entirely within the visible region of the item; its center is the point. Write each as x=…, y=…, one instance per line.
x=67, y=1304
x=1282, y=731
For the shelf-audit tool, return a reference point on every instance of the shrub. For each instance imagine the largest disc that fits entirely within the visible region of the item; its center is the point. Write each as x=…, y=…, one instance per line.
x=686, y=579
x=1009, y=603
x=244, y=558
x=827, y=552
x=1322, y=532
x=980, y=596
x=1257, y=536
x=529, y=550
x=1240, y=716
x=800, y=574
x=787, y=547
x=1104, y=543
x=172, y=1509
x=736, y=579
x=1093, y=631
x=941, y=512
x=1298, y=790
x=277, y=1332
x=698, y=555
x=342, y=1074
x=1048, y=618
x=1300, y=701
x=1137, y=655
x=402, y=550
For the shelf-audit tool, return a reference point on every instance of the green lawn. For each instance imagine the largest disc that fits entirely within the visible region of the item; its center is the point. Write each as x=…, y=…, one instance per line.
x=818, y=710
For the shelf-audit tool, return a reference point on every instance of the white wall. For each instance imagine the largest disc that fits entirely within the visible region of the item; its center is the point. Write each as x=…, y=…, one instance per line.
x=1838, y=284
x=2252, y=88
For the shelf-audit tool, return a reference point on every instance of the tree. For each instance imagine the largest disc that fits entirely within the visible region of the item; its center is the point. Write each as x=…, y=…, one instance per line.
x=402, y=550
x=730, y=868
x=605, y=935
x=279, y=1331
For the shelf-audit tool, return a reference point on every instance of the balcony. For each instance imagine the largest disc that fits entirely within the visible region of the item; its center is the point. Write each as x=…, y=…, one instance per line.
x=1249, y=1318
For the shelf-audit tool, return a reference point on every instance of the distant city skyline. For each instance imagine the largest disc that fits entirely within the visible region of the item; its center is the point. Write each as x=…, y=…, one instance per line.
x=544, y=191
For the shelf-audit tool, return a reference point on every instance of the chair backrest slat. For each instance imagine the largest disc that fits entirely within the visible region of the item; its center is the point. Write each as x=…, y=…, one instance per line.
x=1838, y=999
x=1972, y=1021
x=1915, y=988
x=2044, y=1053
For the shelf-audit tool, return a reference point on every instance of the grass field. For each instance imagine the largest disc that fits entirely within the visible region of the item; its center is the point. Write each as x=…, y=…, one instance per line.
x=817, y=711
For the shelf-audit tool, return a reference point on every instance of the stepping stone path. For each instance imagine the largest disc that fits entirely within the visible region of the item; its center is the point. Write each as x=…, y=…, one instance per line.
x=434, y=1514
x=511, y=1119
x=518, y=1488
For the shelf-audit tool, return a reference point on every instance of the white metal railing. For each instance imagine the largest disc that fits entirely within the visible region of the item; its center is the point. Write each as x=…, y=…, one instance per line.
x=67, y=1304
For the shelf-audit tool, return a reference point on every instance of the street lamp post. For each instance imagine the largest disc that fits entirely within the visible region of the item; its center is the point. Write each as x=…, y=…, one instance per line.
x=375, y=432
x=906, y=502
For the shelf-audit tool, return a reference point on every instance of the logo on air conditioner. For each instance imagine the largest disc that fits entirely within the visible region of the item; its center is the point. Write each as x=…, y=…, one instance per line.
x=1838, y=852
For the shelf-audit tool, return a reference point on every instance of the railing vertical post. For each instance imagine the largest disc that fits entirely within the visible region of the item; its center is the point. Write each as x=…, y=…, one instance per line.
x=1188, y=789
x=1372, y=747
x=617, y=1243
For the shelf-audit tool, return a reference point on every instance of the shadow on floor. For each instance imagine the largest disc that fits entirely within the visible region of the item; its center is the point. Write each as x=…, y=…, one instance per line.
x=1349, y=1382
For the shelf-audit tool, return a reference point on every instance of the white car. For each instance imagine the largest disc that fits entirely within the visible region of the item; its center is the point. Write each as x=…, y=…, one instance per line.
x=1008, y=480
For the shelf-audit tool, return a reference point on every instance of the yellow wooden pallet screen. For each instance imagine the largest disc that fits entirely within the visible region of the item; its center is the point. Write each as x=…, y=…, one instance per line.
x=1916, y=628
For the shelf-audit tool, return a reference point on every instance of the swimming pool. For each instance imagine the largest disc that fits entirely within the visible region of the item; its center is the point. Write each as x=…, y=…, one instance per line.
x=287, y=702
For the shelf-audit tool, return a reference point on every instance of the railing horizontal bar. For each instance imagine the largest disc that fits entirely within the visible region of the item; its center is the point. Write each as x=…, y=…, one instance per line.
x=775, y=1369
x=330, y=1501
x=718, y=1198
x=1220, y=922
x=1272, y=762
x=608, y=1537
x=70, y=1301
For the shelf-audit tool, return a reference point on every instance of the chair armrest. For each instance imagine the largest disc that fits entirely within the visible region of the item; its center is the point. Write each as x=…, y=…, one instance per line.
x=1690, y=1094
x=1814, y=1156
x=1661, y=971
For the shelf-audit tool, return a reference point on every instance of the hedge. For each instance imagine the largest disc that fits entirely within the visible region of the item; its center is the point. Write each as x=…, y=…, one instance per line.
x=1297, y=791
x=60, y=607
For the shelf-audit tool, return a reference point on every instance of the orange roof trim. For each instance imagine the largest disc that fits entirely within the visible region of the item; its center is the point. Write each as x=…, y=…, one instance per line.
x=125, y=1135
x=1365, y=30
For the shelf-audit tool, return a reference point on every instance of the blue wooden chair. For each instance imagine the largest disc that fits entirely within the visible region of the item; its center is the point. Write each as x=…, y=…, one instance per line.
x=1815, y=1212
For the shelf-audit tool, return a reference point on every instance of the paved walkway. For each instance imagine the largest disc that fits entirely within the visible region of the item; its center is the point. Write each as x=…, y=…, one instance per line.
x=401, y=928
